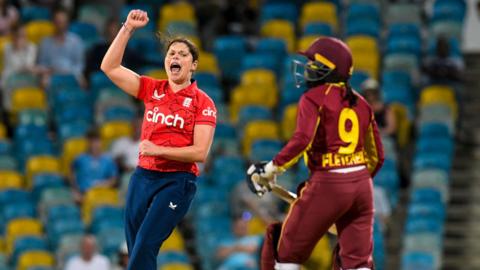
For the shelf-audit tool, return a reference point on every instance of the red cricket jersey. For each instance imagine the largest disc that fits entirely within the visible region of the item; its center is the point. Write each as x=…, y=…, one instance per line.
x=332, y=134
x=170, y=118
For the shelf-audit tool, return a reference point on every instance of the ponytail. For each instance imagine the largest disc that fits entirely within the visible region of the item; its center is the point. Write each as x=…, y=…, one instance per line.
x=349, y=95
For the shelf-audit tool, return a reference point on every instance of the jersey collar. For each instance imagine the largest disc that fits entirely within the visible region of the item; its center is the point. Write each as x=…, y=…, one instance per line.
x=189, y=90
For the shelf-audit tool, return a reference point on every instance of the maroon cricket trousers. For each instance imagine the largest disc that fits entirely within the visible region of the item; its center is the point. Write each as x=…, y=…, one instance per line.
x=343, y=199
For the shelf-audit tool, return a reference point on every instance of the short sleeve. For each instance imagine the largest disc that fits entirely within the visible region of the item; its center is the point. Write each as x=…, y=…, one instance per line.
x=147, y=87
x=206, y=111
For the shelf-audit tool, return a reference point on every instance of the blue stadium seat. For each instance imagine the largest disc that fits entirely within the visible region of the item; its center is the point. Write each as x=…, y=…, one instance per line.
x=45, y=180
x=17, y=210
x=73, y=129
x=230, y=50
x=13, y=196
x=28, y=148
x=27, y=243
x=379, y=249
x=357, y=78
x=74, y=112
x=110, y=240
x=86, y=31
x=61, y=81
x=407, y=45
x=449, y=10
x=275, y=46
x=106, y=224
x=171, y=257
x=260, y=60
x=290, y=94
x=363, y=27
x=318, y=29
x=62, y=212
x=225, y=130
x=400, y=30
x=434, y=130
x=253, y=112
x=227, y=171
x=68, y=95
x=455, y=48
x=206, y=79
x=434, y=145
x=426, y=210
x=264, y=150
x=388, y=178
x=107, y=212
x=215, y=93
x=23, y=132
x=426, y=195
x=5, y=147
x=35, y=13
x=119, y=113
x=283, y=11
x=357, y=12
x=420, y=225
x=63, y=227
x=8, y=163
x=417, y=260
x=99, y=80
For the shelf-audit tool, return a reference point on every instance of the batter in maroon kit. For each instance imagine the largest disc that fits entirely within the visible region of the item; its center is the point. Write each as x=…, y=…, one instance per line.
x=337, y=134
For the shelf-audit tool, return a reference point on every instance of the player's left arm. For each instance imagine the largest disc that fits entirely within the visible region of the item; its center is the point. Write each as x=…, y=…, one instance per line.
x=198, y=152
x=373, y=148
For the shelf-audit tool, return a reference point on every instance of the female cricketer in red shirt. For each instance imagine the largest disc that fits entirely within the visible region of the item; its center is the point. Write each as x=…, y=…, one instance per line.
x=177, y=131
x=337, y=133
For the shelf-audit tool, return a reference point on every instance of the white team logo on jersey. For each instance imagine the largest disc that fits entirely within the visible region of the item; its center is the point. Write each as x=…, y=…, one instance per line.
x=157, y=96
x=187, y=102
x=169, y=120
x=209, y=112
x=172, y=206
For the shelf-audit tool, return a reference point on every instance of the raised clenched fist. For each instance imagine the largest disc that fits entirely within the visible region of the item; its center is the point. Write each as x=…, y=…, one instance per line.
x=137, y=19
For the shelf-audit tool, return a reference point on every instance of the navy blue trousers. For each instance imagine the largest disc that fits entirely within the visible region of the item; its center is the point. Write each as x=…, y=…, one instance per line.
x=156, y=202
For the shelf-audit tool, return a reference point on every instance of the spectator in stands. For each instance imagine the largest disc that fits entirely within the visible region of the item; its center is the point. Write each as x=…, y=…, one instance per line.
x=63, y=53
x=122, y=258
x=93, y=168
x=240, y=244
x=96, y=53
x=125, y=150
x=384, y=116
x=8, y=17
x=19, y=56
x=443, y=67
x=88, y=259
x=267, y=209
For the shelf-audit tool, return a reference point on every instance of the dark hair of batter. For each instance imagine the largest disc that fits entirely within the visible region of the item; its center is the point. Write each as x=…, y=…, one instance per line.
x=168, y=40
x=334, y=77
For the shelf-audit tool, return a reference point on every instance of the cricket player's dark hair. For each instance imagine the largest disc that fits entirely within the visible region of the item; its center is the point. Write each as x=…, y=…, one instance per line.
x=334, y=77
x=168, y=40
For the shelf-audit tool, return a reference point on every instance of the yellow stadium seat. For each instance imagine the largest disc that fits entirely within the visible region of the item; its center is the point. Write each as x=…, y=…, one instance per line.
x=98, y=196
x=71, y=149
x=256, y=130
x=21, y=227
x=10, y=179
x=113, y=130
x=181, y=11
x=319, y=12
x=28, y=98
x=159, y=74
x=41, y=164
x=403, y=123
x=289, y=121
x=174, y=242
x=3, y=40
x=321, y=257
x=305, y=42
x=439, y=94
x=208, y=63
x=251, y=95
x=362, y=44
x=176, y=266
x=281, y=29
x=37, y=30
x=3, y=131
x=30, y=259
x=258, y=76
x=256, y=226
x=368, y=63
x=3, y=248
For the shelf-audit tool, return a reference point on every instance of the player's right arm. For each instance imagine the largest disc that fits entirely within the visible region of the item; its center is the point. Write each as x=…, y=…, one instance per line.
x=124, y=78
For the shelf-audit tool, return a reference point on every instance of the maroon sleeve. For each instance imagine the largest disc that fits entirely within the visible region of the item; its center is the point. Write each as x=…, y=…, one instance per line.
x=147, y=87
x=374, y=148
x=308, y=118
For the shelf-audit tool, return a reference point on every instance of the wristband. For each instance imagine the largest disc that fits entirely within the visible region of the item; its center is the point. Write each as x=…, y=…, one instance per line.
x=128, y=29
